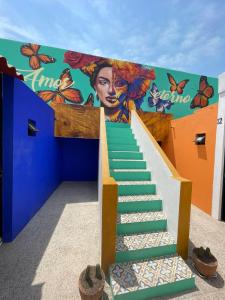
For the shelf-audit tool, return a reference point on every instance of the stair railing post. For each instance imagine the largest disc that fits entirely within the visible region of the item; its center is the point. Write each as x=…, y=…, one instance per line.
x=108, y=197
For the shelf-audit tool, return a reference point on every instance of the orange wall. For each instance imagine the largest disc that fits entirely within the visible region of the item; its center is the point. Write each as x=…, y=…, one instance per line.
x=195, y=162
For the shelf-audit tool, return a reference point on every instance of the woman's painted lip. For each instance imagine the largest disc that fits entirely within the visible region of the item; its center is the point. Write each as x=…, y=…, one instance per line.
x=111, y=99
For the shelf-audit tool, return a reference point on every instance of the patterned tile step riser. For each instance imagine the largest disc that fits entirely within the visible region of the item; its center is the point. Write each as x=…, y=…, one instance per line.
x=129, y=176
x=140, y=254
x=124, y=190
x=117, y=125
x=144, y=241
x=126, y=155
x=136, y=198
x=118, y=147
x=134, y=182
x=168, y=289
x=139, y=206
x=150, y=278
x=123, y=164
x=141, y=227
x=140, y=217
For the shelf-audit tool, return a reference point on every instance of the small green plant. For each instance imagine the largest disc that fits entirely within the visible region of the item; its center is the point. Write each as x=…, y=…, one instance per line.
x=204, y=255
x=87, y=275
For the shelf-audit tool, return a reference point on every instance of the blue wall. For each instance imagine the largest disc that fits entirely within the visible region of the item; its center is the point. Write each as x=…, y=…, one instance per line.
x=79, y=159
x=31, y=165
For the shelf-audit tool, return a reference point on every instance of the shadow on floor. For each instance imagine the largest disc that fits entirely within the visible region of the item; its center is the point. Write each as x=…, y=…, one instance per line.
x=19, y=260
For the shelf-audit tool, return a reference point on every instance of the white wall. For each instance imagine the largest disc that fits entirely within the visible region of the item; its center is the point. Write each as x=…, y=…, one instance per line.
x=167, y=186
x=219, y=153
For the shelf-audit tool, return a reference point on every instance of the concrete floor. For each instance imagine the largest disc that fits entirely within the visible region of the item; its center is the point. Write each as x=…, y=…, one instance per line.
x=45, y=260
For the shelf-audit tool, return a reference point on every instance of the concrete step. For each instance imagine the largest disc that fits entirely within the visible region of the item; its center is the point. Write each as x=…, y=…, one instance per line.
x=136, y=188
x=154, y=277
x=116, y=125
x=121, y=141
x=143, y=246
x=126, y=155
x=131, y=176
x=122, y=147
x=122, y=133
x=116, y=163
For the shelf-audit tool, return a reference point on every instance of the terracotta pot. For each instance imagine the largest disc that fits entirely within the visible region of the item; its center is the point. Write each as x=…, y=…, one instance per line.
x=207, y=269
x=96, y=296
x=91, y=293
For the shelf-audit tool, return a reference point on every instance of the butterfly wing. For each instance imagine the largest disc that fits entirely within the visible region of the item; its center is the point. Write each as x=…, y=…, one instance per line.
x=167, y=104
x=72, y=95
x=173, y=84
x=196, y=101
x=160, y=107
x=46, y=59
x=90, y=100
x=151, y=101
x=34, y=62
x=59, y=99
x=154, y=98
x=47, y=95
x=203, y=101
x=35, y=48
x=203, y=83
x=205, y=90
x=66, y=80
x=181, y=85
x=26, y=50
x=208, y=91
x=154, y=89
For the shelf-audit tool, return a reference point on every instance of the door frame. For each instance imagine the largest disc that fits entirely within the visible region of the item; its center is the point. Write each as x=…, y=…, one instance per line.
x=219, y=152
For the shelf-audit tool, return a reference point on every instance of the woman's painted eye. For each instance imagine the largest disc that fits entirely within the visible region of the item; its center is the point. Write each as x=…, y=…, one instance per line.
x=103, y=81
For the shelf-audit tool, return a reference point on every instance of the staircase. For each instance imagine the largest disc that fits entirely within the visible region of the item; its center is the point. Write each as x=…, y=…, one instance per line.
x=146, y=261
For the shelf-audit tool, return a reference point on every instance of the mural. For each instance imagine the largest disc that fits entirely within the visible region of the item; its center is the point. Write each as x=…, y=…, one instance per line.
x=61, y=76
x=119, y=86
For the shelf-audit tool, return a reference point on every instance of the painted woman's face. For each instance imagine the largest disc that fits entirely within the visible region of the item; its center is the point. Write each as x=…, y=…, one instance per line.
x=109, y=88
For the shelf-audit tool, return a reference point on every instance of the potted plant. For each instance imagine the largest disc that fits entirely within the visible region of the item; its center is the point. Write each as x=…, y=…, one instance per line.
x=204, y=261
x=91, y=283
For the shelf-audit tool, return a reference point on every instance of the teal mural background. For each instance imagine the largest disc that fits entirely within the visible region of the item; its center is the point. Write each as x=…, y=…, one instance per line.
x=43, y=78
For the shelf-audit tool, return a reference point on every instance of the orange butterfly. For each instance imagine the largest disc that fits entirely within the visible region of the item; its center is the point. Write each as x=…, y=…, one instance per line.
x=90, y=100
x=35, y=59
x=176, y=86
x=206, y=91
x=64, y=91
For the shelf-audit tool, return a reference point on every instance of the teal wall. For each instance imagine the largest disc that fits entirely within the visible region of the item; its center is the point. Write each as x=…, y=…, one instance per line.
x=40, y=76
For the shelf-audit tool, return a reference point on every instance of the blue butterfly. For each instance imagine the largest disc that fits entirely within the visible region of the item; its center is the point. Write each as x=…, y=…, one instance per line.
x=155, y=100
